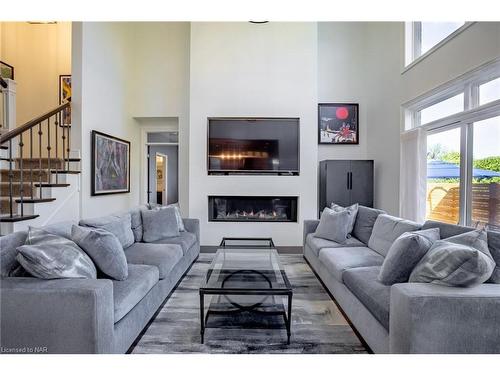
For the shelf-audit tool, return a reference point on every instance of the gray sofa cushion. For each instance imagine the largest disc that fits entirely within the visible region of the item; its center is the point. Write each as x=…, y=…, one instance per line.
x=337, y=260
x=494, y=246
x=375, y=296
x=136, y=222
x=404, y=255
x=333, y=226
x=48, y=256
x=385, y=231
x=365, y=219
x=8, y=252
x=462, y=260
x=353, y=210
x=104, y=249
x=184, y=239
x=120, y=225
x=316, y=244
x=62, y=228
x=446, y=230
x=178, y=216
x=127, y=293
x=162, y=256
x=159, y=224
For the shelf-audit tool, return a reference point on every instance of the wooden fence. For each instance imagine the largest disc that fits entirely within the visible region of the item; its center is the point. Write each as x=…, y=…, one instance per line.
x=443, y=202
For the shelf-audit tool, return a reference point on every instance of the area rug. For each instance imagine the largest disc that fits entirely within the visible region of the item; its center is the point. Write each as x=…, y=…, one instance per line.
x=317, y=324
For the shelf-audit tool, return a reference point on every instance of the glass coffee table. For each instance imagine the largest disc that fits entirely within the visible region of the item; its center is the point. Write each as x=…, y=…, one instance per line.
x=246, y=276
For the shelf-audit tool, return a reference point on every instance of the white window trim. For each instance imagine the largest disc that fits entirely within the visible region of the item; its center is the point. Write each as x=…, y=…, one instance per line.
x=413, y=43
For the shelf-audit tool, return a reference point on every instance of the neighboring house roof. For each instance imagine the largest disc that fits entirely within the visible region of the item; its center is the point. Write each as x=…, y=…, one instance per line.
x=443, y=169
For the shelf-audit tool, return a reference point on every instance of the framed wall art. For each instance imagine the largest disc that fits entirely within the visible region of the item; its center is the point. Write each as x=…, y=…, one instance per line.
x=338, y=123
x=110, y=164
x=6, y=71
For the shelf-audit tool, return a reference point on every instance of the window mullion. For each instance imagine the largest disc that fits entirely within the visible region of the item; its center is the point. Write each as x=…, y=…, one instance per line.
x=417, y=39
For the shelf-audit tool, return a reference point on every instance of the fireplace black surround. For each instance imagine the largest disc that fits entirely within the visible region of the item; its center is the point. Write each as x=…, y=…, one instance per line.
x=252, y=209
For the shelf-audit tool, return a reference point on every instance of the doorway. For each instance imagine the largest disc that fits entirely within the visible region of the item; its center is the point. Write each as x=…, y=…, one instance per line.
x=161, y=178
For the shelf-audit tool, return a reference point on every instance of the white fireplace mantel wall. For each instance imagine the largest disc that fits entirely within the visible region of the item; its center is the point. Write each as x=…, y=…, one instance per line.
x=265, y=70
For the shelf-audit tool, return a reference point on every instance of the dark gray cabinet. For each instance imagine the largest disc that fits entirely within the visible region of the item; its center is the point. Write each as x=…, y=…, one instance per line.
x=345, y=182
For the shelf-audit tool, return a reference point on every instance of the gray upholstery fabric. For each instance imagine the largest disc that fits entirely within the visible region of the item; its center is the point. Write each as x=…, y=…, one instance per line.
x=120, y=225
x=337, y=260
x=461, y=260
x=429, y=318
x=375, y=335
x=162, y=256
x=136, y=222
x=104, y=249
x=494, y=246
x=62, y=228
x=127, y=293
x=446, y=230
x=353, y=210
x=48, y=256
x=385, y=231
x=316, y=244
x=404, y=255
x=8, y=252
x=185, y=240
x=333, y=226
x=65, y=315
x=178, y=216
x=192, y=226
x=159, y=224
x=375, y=296
x=365, y=219
x=309, y=227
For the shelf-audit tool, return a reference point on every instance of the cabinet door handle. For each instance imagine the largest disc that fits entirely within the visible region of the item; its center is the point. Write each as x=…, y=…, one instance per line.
x=350, y=180
x=347, y=175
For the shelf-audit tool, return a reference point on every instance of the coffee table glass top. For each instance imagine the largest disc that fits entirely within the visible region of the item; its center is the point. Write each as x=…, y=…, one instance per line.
x=246, y=269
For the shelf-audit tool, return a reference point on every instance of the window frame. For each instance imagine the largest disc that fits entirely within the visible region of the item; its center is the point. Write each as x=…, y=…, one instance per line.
x=473, y=112
x=413, y=42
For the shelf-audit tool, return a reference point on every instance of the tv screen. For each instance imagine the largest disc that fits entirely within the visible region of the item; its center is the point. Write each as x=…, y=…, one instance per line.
x=253, y=145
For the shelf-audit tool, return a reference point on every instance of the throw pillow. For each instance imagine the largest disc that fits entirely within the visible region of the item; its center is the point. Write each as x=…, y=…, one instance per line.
x=462, y=260
x=405, y=253
x=178, y=216
x=119, y=225
x=104, y=249
x=159, y=224
x=48, y=256
x=352, y=209
x=333, y=226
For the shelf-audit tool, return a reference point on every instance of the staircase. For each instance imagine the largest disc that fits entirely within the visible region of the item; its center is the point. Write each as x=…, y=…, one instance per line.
x=39, y=175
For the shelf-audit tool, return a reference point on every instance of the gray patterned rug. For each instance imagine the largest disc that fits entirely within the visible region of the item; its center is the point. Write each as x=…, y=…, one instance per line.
x=317, y=324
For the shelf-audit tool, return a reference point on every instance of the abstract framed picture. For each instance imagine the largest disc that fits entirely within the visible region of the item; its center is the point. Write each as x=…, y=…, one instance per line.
x=64, y=95
x=110, y=164
x=6, y=71
x=338, y=123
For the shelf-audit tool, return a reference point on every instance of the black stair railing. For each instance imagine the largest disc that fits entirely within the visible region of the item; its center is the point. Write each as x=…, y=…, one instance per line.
x=43, y=126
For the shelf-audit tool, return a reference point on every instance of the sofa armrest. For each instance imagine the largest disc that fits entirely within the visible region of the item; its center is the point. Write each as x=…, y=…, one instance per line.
x=428, y=318
x=193, y=226
x=56, y=316
x=309, y=227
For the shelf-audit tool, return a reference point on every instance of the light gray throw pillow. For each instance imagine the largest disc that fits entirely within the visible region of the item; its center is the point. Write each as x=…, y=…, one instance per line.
x=48, y=256
x=353, y=210
x=104, y=249
x=178, y=216
x=159, y=224
x=120, y=225
x=461, y=260
x=333, y=226
x=405, y=253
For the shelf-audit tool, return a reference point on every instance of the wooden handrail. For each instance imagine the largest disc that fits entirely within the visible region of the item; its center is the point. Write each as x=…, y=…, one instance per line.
x=30, y=124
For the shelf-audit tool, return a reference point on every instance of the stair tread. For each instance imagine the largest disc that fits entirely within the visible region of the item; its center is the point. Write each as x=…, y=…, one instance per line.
x=51, y=185
x=15, y=218
x=35, y=200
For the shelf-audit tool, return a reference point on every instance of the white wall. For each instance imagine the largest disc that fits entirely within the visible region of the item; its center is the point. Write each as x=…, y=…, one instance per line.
x=244, y=69
x=39, y=54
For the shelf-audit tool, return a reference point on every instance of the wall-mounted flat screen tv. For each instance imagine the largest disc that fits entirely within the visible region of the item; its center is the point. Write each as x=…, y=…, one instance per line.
x=253, y=145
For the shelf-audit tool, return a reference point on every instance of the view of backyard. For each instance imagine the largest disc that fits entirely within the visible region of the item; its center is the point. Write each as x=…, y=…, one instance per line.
x=443, y=175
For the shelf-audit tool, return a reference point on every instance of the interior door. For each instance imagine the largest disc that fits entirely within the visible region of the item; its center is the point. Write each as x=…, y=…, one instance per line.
x=337, y=179
x=361, y=184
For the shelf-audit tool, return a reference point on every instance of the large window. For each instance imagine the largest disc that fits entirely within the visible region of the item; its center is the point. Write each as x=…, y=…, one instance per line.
x=462, y=122
x=422, y=37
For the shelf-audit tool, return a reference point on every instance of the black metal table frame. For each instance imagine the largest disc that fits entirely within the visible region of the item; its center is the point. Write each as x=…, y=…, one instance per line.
x=287, y=291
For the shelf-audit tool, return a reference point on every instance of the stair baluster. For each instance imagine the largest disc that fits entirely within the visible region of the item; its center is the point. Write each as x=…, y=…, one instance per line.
x=31, y=162
x=48, y=148
x=21, y=188
x=40, y=133
x=11, y=175
x=57, y=150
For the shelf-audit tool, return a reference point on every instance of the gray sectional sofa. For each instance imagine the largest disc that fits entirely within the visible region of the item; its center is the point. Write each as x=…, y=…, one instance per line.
x=408, y=317
x=99, y=315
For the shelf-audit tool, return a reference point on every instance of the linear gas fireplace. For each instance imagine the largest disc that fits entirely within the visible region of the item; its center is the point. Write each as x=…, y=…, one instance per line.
x=252, y=208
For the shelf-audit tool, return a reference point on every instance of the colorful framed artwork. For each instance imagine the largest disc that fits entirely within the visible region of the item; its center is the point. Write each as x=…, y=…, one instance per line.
x=110, y=164
x=338, y=123
x=65, y=95
x=6, y=71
